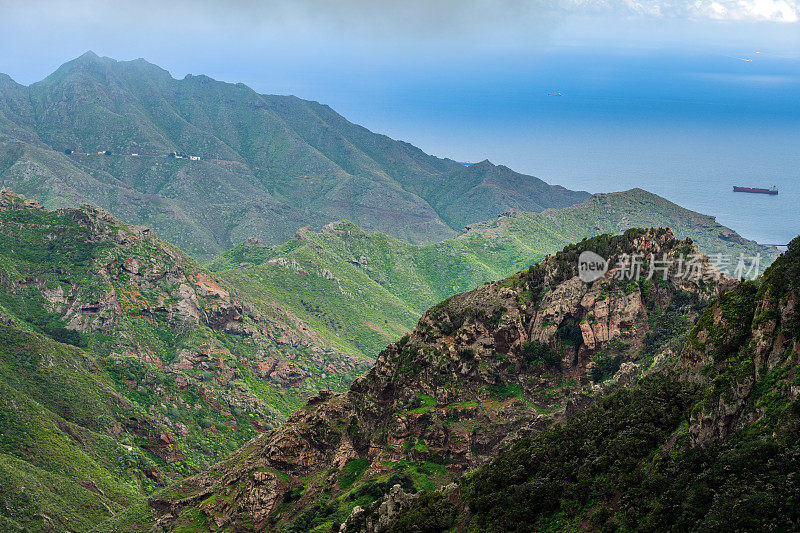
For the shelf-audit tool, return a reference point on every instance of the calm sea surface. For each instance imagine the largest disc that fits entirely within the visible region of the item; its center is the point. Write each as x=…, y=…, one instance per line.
x=699, y=174
x=685, y=125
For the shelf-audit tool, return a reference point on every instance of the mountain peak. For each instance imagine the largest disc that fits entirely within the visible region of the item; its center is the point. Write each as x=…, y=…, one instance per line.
x=89, y=55
x=87, y=62
x=90, y=58
x=96, y=104
x=6, y=80
x=94, y=64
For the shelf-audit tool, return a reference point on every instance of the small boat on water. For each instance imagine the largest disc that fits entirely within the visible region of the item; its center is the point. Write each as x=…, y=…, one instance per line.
x=771, y=190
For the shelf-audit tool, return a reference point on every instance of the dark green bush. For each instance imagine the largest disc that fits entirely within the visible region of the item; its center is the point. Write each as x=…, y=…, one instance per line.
x=536, y=353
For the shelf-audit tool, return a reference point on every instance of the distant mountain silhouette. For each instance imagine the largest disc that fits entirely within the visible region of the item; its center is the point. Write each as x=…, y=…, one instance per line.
x=267, y=164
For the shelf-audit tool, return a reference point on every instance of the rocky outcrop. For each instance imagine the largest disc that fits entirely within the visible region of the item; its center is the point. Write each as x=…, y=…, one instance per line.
x=377, y=519
x=744, y=343
x=134, y=273
x=480, y=370
x=211, y=370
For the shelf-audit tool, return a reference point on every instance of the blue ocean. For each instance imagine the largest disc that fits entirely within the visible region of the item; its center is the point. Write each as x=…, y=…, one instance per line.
x=685, y=125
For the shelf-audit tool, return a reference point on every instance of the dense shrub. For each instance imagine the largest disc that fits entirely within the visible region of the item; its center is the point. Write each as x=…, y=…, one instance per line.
x=536, y=353
x=432, y=513
x=625, y=464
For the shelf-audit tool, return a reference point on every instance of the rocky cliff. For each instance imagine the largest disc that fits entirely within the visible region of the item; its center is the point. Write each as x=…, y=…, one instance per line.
x=189, y=371
x=709, y=444
x=744, y=350
x=480, y=370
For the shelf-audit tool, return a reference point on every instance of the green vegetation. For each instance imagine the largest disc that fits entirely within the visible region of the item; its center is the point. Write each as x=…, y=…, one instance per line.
x=505, y=391
x=352, y=472
x=714, y=449
x=111, y=388
x=605, y=367
x=626, y=464
x=361, y=290
x=58, y=455
x=582, y=462
x=422, y=403
x=442, y=400
x=267, y=164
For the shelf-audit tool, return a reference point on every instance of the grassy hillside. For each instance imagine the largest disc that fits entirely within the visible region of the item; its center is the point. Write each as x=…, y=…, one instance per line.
x=266, y=164
x=616, y=212
x=67, y=459
x=124, y=365
x=361, y=290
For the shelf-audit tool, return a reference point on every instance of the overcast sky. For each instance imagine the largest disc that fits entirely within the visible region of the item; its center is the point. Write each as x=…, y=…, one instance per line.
x=246, y=36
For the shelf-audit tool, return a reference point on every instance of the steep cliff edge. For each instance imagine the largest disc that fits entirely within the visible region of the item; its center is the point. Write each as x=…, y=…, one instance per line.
x=744, y=350
x=709, y=444
x=481, y=370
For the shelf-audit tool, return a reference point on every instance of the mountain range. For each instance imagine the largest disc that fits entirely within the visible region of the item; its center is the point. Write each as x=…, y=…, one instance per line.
x=243, y=164
x=540, y=402
x=361, y=290
x=127, y=367
x=227, y=311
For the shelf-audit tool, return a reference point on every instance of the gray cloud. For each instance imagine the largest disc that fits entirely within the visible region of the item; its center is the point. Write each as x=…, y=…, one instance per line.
x=392, y=16
x=413, y=19
x=38, y=35
x=487, y=23
x=739, y=10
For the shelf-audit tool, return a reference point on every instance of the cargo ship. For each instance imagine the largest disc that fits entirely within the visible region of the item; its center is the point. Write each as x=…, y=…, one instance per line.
x=771, y=190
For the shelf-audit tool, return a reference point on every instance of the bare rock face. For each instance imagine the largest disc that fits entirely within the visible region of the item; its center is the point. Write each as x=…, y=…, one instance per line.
x=749, y=335
x=479, y=371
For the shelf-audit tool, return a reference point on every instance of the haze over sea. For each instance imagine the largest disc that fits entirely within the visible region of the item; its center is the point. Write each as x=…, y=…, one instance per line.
x=684, y=125
x=685, y=99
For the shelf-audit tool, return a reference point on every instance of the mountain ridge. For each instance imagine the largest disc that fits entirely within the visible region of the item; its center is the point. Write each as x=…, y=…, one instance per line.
x=361, y=289
x=480, y=370
x=125, y=365
x=267, y=164
x=709, y=444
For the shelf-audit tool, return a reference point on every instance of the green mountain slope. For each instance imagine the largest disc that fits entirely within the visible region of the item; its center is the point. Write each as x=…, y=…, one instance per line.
x=124, y=365
x=267, y=164
x=713, y=446
x=360, y=290
x=68, y=451
x=480, y=371
x=616, y=212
